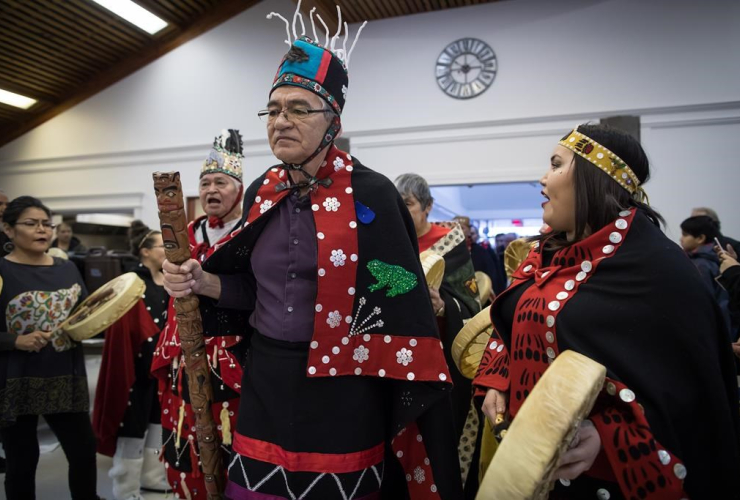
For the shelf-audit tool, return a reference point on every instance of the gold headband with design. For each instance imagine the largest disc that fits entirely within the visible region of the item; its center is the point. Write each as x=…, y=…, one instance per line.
x=606, y=160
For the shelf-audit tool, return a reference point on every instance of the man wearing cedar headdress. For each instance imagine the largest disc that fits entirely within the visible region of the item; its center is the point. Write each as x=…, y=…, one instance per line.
x=345, y=388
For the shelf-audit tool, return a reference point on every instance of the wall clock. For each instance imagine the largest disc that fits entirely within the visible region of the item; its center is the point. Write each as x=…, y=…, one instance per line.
x=466, y=68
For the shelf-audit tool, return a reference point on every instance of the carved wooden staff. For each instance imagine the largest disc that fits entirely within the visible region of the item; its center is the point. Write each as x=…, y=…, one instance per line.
x=190, y=327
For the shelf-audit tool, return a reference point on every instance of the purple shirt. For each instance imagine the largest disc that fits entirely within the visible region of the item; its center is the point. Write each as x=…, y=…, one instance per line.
x=284, y=265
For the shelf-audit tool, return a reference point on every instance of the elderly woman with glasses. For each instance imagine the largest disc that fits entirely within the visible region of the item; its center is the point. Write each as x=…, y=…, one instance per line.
x=42, y=372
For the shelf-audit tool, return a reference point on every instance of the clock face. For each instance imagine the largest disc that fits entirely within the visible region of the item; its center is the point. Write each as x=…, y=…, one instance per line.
x=466, y=68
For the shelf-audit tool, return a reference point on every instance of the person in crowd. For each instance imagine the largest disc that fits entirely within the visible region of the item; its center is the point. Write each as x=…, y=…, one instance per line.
x=730, y=280
x=66, y=240
x=485, y=260
x=697, y=239
x=724, y=240
x=5, y=246
x=220, y=194
x=503, y=240
x=220, y=191
x=42, y=371
x=455, y=301
x=345, y=385
x=126, y=416
x=610, y=285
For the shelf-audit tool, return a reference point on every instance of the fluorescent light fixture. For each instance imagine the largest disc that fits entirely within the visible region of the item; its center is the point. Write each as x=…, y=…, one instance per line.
x=135, y=14
x=17, y=100
x=105, y=219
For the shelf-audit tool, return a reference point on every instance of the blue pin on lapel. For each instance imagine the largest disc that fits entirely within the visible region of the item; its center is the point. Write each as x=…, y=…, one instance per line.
x=364, y=214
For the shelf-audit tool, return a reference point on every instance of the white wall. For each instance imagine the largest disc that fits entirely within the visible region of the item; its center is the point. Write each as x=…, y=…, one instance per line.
x=674, y=62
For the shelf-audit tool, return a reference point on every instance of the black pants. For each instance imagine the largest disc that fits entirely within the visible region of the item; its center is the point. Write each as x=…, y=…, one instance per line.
x=75, y=434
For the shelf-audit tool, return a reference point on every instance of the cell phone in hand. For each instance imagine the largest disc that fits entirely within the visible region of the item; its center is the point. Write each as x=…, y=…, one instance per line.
x=716, y=242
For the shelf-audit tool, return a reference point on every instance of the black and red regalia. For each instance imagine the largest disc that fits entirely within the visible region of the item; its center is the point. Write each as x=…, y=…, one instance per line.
x=180, y=446
x=363, y=409
x=628, y=298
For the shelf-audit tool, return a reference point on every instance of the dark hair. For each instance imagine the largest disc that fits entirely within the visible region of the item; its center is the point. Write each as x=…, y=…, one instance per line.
x=701, y=225
x=599, y=198
x=16, y=207
x=140, y=236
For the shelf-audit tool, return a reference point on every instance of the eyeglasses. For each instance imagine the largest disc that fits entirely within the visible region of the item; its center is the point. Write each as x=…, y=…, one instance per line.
x=291, y=114
x=34, y=223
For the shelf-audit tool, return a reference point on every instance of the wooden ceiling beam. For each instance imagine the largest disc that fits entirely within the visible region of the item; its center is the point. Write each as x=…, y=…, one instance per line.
x=45, y=59
x=71, y=41
x=27, y=68
x=74, y=36
x=30, y=87
x=327, y=12
x=225, y=10
x=165, y=10
x=12, y=36
x=105, y=22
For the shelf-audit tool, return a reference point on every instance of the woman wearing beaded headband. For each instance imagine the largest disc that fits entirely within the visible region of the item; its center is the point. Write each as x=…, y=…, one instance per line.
x=611, y=286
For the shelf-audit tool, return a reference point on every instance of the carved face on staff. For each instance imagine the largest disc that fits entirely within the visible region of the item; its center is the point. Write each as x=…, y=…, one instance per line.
x=168, y=190
x=166, y=186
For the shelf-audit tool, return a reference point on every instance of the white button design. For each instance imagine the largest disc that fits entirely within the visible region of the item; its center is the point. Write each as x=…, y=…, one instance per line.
x=550, y=337
x=494, y=345
x=608, y=249
x=314, y=344
x=621, y=224
x=562, y=296
x=570, y=285
x=601, y=493
x=586, y=266
x=325, y=359
x=625, y=213
x=581, y=276
x=410, y=376
x=680, y=471
x=627, y=395
x=615, y=237
x=311, y=370
x=527, y=268
x=664, y=457
x=550, y=321
x=554, y=305
x=319, y=307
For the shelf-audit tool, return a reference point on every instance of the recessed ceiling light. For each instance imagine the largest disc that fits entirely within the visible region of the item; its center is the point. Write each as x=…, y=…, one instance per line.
x=135, y=14
x=17, y=100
